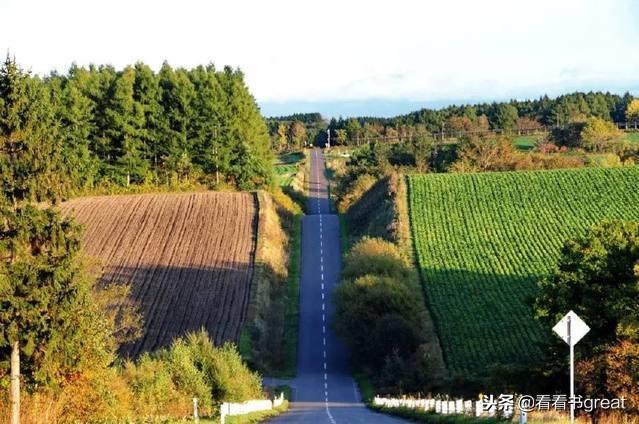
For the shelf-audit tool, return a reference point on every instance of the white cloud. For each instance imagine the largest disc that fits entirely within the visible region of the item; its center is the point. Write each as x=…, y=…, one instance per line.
x=303, y=50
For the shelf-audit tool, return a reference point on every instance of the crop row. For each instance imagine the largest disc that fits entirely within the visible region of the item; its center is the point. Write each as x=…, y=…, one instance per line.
x=484, y=240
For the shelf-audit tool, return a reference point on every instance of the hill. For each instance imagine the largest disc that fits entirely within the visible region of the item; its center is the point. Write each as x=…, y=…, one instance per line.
x=483, y=241
x=188, y=257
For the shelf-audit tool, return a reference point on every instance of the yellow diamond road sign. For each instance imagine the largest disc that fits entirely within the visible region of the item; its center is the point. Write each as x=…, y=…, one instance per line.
x=571, y=328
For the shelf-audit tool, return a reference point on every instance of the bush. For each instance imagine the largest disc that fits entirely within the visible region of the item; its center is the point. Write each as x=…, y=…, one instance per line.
x=375, y=256
x=155, y=393
x=598, y=134
x=367, y=305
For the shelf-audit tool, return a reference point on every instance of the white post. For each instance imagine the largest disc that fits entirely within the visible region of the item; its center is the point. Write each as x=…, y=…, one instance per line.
x=523, y=417
x=572, y=372
x=15, y=383
x=196, y=416
x=222, y=413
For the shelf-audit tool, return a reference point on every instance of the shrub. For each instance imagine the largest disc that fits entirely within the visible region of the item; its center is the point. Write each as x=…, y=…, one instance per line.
x=225, y=372
x=598, y=134
x=155, y=393
x=364, y=306
x=375, y=256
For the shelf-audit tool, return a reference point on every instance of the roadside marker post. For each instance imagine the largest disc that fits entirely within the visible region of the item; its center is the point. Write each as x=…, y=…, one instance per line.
x=196, y=415
x=571, y=329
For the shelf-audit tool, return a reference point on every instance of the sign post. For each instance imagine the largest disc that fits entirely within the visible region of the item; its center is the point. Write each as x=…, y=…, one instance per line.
x=571, y=329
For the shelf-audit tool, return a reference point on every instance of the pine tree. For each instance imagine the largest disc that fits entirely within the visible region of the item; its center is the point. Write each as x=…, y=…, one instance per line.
x=74, y=112
x=246, y=134
x=39, y=281
x=176, y=95
x=30, y=157
x=146, y=92
x=125, y=121
x=207, y=121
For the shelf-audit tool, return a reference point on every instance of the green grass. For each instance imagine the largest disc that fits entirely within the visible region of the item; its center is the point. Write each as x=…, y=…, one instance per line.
x=484, y=240
x=293, y=305
x=286, y=167
x=633, y=137
x=365, y=385
x=284, y=174
x=525, y=142
x=291, y=158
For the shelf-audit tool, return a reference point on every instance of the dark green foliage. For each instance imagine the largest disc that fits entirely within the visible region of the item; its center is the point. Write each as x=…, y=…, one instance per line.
x=30, y=157
x=45, y=299
x=549, y=112
x=597, y=276
x=381, y=319
x=97, y=126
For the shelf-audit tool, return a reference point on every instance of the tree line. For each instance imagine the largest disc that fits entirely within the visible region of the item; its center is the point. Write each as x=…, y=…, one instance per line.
x=98, y=126
x=59, y=329
x=515, y=116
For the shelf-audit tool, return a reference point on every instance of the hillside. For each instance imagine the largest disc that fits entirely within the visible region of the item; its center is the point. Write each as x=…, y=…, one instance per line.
x=381, y=212
x=484, y=240
x=188, y=257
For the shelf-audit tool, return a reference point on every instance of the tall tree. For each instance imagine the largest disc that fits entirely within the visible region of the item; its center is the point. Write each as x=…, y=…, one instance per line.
x=282, y=137
x=39, y=281
x=74, y=113
x=632, y=111
x=146, y=93
x=506, y=117
x=207, y=121
x=597, y=278
x=125, y=121
x=30, y=156
x=297, y=134
x=250, y=154
x=176, y=95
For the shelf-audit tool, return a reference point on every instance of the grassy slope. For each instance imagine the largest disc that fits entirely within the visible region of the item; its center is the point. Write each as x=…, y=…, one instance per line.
x=269, y=339
x=382, y=212
x=484, y=240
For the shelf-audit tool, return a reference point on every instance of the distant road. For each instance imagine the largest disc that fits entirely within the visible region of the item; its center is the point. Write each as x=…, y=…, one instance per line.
x=324, y=391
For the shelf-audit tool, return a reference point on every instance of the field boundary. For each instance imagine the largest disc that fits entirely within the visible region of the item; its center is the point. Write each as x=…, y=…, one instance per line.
x=268, y=341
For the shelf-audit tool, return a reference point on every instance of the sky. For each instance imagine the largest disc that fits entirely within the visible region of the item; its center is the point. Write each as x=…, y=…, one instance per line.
x=346, y=57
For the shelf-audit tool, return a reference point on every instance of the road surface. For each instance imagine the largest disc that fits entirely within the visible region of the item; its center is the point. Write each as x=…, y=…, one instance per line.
x=323, y=391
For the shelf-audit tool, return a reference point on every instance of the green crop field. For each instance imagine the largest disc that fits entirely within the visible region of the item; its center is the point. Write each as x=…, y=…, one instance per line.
x=484, y=240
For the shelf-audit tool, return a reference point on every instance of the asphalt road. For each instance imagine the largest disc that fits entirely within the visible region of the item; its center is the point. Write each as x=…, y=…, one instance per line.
x=324, y=391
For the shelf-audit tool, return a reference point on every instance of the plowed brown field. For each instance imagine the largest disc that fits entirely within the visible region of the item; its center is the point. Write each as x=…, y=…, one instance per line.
x=188, y=258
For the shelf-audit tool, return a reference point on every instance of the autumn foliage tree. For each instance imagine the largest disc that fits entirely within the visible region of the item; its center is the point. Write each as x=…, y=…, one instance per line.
x=632, y=112
x=598, y=133
x=598, y=277
x=484, y=153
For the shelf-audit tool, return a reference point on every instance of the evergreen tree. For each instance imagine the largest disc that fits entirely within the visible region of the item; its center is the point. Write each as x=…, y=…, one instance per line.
x=246, y=136
x=30, y=157
x=207, y=121
x=146, y=93
x=74, y=113
x=176, y=95
x=125, y=121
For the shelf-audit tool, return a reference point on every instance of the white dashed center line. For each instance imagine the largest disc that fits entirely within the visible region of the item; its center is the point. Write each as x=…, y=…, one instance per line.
x=321, y=237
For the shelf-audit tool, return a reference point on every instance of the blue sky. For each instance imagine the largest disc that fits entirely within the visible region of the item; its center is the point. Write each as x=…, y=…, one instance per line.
x=347, y=57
